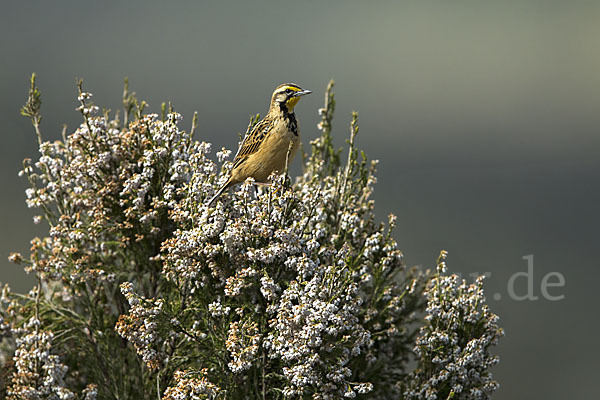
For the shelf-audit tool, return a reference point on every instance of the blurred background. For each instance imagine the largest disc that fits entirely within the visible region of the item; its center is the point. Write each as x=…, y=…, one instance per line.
x=485, y=117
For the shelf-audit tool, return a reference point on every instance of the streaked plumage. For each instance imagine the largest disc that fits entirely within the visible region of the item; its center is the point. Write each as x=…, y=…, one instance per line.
x=265, y=148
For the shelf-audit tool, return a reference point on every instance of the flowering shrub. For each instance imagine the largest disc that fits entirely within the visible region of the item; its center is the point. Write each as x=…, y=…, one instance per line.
x=453, y=347
x=289, y=292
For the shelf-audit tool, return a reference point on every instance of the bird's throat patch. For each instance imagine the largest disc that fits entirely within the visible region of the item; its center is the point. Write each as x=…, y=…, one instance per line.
x=291, y=103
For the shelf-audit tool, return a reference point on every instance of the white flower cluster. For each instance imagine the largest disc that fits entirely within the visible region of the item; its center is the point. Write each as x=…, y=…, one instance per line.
x=77, y=183
x=140, y=325
x=191, y=385
x=39, y=374
x=308, y=328
x=5, y=302
x=243, y=344
x=453, y=348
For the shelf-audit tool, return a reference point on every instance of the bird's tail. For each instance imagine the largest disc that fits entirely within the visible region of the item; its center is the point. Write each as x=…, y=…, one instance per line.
x=219, y=192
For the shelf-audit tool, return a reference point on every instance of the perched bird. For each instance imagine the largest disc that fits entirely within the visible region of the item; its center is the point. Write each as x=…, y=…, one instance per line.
x=265, y=148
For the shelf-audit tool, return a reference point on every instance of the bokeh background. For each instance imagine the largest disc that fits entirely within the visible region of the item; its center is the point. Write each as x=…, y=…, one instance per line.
x=485, y=116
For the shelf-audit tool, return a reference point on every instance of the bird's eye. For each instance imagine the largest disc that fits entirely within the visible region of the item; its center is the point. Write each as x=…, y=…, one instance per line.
x=288, y=91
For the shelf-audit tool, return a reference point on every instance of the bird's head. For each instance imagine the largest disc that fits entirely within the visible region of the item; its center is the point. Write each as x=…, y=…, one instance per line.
x=286, y=96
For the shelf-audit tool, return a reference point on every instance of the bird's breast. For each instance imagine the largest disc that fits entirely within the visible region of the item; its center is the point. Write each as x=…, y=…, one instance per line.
x=286, y=131
x=272, y=154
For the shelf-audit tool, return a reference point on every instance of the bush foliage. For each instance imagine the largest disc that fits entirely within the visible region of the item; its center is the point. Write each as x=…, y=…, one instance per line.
x=294, y=291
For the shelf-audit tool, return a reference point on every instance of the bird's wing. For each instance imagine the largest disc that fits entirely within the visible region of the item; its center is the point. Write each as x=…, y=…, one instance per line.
x=252, y=141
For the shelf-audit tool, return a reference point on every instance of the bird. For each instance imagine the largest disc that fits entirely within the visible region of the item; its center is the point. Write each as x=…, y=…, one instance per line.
x=265, y=149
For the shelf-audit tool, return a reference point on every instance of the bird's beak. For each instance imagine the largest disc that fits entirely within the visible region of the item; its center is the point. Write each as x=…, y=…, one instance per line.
x=302, y=93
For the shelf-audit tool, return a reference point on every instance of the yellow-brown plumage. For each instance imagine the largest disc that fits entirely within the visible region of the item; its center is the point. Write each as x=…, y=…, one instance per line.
x=265, y=149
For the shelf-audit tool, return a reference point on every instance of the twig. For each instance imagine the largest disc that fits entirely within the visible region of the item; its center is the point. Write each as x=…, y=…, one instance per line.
x=32, y=107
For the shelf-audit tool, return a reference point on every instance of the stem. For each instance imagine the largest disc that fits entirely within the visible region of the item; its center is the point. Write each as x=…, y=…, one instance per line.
x=194, y=125
x=158, y=385
x=350, y=162
x=36, y=125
